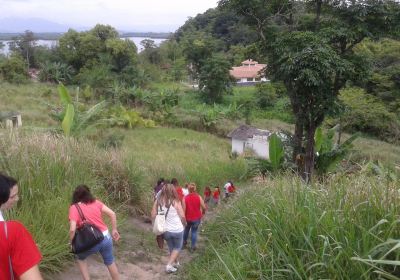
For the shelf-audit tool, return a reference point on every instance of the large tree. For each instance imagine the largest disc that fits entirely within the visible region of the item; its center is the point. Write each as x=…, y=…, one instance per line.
x=312, y=52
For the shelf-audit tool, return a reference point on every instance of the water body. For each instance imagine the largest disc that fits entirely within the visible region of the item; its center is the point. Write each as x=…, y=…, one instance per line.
x=53, y=43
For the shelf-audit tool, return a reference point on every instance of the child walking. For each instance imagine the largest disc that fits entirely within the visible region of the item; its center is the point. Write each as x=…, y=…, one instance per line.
x=216, y=194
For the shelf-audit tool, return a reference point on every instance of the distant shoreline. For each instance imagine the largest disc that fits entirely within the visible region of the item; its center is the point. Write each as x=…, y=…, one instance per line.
x=57, y=35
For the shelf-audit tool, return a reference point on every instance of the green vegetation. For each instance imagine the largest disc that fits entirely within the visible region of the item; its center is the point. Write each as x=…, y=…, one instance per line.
x=288, y=230
x=125, y=119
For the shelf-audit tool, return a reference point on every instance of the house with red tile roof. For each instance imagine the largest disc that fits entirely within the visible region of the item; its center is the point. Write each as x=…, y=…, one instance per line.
x=249, y=73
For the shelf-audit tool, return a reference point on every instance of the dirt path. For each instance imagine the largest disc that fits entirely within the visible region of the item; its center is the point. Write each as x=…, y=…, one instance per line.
x=137, y=255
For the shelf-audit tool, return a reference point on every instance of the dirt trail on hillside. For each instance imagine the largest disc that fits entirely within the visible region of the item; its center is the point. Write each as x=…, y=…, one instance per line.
x=137, y=255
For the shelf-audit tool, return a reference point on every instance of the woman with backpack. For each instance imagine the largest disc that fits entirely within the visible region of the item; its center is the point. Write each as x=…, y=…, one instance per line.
x=84, y=203
x=168, y=202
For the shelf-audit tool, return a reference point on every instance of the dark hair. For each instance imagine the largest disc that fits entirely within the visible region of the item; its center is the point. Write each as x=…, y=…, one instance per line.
x=160, y=181
x=6, y=184
x=174, y=181
x=82, y=194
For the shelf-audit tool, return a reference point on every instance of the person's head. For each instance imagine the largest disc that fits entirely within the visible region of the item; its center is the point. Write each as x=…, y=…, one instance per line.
x=192, y=187
x=168, y=193
x=160, y=181
x=82, y=194
x=207, y=188
x=174, y=182
x=8, y=191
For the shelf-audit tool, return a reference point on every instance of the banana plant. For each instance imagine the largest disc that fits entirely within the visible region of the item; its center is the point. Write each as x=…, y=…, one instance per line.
x=273, y=164
x=74, y=121
x=328, y=154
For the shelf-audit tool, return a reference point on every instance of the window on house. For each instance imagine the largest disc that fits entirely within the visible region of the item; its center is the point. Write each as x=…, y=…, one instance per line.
x=258, y=79
x=249, y=79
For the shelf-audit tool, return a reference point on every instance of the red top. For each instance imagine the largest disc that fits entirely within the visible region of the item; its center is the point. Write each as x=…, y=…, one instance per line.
x=216, y=194
x=207, y=193
x=193, y=212
x=92, y=213
x=20, y=247
x=180, y=193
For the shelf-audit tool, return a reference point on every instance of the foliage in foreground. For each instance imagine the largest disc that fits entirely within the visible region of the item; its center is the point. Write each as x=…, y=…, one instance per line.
x=287, y=230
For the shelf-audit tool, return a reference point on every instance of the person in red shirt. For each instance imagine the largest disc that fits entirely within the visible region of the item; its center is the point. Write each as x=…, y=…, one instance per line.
x=18, y=252
x=194, y=210
x=19, y=255
x=178, y=189
x=216, y=194
x=207, y=195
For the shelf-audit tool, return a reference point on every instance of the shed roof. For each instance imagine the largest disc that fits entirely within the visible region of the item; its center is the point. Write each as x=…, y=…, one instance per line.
x=245, y=132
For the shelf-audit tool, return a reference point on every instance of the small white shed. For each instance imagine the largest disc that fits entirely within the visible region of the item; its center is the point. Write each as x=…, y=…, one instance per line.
x=248, y=137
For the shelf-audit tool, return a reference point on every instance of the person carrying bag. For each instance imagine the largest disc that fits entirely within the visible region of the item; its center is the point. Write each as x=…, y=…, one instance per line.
x=171, y=224
x=159, y=225
x=86, y=236
x=89, y=234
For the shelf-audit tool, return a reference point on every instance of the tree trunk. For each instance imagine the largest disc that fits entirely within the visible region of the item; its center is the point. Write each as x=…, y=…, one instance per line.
x=310, y=154
x=318, y=14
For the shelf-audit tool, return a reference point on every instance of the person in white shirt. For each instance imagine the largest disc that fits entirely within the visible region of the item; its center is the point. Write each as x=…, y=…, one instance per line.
x=226, y=188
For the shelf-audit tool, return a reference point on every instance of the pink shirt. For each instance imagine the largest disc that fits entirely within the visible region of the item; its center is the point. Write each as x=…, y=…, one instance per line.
x=92, y=213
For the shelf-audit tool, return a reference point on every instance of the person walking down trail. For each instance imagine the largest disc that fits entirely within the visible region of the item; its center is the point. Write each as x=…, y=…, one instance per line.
x=207, y=195
x=169, y=203
x=19, y=255
x=178, y=189
x=216, y=194
x=158, y=187
x=228, y=189
x=194, y=210
x=93, y=210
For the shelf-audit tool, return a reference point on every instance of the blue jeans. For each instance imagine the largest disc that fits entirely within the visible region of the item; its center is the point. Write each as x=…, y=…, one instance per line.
x=105, y=248
x=194, y=226
x=174, y=240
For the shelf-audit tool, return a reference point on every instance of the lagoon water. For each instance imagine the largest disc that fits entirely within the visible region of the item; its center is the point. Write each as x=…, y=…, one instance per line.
x=52, y=43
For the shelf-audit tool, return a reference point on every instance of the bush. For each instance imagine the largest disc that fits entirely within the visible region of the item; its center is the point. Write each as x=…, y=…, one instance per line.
x=266, y=95
x=14, y=69
x=366, y=113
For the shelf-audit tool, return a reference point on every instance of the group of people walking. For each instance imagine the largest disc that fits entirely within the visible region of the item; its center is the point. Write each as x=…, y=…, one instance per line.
x=183, y=208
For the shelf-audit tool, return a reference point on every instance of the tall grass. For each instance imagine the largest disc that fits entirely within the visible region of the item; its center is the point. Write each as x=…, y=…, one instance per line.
x=48, y=169
x=188, y=155
x=339, y=229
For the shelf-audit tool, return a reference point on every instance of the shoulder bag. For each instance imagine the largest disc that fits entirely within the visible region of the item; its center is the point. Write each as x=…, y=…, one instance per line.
x=159, y=222
x=87, y=236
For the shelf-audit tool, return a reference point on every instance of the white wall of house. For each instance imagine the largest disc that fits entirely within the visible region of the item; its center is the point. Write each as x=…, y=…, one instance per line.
x=259, y=144
x=237, y=146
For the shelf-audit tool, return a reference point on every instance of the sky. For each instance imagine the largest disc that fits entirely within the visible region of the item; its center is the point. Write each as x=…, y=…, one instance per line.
x=127, y=15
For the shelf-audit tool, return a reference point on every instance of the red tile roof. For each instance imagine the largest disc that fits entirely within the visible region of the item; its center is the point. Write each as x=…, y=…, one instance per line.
x=247, y=71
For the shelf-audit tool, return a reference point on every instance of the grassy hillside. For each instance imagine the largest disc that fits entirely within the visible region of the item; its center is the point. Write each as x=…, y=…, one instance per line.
x=343, y=228
x=49, y=167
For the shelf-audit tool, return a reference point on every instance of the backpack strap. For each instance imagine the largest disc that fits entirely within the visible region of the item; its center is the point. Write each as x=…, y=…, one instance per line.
x=80, y=212
x=9, y=257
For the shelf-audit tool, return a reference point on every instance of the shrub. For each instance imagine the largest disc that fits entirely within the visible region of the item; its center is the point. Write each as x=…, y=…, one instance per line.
x=14, y=69
x=266, y=95
x=368, y=114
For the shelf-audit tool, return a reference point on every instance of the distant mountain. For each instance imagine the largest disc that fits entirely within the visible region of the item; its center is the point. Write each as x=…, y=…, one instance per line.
x=14, y=25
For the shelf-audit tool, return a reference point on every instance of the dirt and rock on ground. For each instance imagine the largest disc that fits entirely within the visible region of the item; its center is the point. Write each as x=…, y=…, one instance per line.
x=137, y=255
